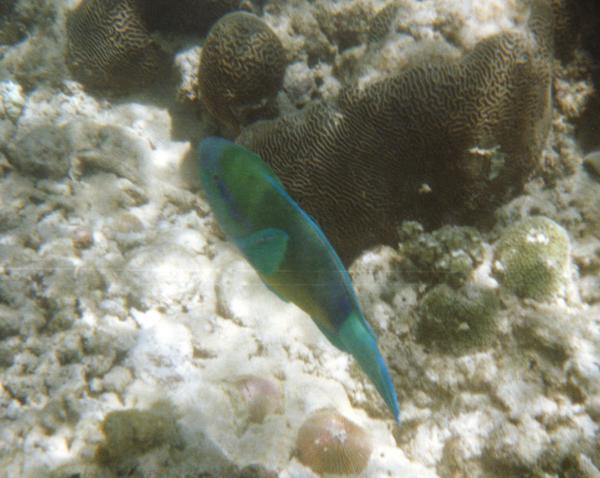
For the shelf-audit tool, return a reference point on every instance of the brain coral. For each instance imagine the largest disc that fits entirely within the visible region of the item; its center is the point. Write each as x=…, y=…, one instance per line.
x=436, y=143
x=532, y=258
x=328, y=442
x=241, y=68
x=109, y=46
x=381, y=22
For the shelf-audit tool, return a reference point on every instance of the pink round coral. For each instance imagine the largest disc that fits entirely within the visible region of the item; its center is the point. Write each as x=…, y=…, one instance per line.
x=330, y=443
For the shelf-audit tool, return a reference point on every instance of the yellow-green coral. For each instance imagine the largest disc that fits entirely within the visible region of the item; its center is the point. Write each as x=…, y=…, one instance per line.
x=457, y=321
x=532, y=258
x=133, y=432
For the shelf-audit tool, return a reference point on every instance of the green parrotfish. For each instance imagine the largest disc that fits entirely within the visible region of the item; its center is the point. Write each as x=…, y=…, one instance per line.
x=289, y=251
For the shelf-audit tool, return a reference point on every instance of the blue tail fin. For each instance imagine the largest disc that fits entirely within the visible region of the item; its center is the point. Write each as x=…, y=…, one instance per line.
x=361, y=343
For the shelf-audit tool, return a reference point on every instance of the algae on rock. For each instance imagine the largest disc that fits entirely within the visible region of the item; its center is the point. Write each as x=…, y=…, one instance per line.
x=133, y=432
x=448, y=254
x=457, y=321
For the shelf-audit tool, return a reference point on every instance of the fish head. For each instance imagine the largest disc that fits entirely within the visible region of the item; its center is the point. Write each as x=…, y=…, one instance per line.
x=215, y=165
x=234, y=180
x=224, y=170
x=227, y=167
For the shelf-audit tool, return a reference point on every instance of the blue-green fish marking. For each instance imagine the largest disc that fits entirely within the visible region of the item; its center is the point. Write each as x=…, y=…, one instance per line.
x=289, y=251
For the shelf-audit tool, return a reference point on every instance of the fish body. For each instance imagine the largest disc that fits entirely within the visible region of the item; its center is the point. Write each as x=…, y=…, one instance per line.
x=289, y=251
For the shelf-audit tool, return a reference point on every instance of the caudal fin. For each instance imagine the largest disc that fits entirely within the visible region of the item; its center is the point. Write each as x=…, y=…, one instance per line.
x=361, y=343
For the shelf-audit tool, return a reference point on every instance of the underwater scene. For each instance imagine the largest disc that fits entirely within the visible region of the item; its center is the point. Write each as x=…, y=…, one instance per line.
x=299, y=238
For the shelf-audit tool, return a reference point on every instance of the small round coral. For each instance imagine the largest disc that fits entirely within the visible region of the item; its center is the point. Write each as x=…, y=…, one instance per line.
x=109, y=46
x=241, y=69
x=458, y=321
x=330, y=443
x=258, y=396
x=532, y=258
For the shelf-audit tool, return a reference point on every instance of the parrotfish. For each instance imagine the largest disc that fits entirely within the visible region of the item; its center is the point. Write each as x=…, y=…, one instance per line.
x=289, y=251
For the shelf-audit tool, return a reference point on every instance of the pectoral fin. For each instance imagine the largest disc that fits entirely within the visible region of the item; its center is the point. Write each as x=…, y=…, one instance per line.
x=265, y=249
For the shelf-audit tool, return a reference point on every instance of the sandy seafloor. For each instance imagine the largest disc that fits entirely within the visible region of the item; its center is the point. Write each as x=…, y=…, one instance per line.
x=117, y=291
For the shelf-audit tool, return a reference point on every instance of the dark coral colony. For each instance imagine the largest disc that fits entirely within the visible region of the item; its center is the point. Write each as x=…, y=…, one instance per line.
x=441, y=142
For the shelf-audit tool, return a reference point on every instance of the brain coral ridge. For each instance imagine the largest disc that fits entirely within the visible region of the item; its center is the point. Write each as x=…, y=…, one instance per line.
x=241, y=69
x=109, y=45
x=109, y=42
x=436, y=143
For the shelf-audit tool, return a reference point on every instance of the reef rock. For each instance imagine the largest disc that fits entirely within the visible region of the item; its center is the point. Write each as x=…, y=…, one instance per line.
x=439, y=142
